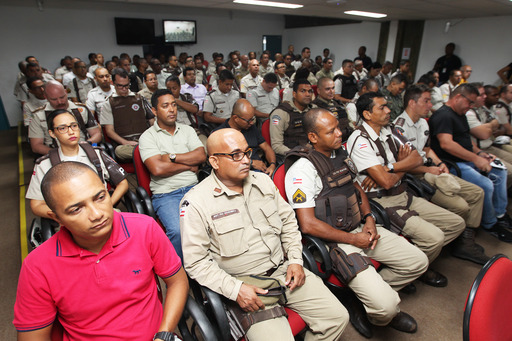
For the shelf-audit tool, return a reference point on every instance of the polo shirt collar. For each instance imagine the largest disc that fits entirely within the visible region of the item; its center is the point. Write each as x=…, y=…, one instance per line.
x=66, y=246
x=159, y=129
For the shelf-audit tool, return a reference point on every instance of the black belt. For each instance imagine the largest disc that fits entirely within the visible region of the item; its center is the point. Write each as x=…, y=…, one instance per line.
x=389, y=192
x=270, y=271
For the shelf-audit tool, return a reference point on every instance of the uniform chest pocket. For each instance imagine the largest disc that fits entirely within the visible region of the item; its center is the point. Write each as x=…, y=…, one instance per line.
x=231, y=235
x=270, y=213
x=221, y=106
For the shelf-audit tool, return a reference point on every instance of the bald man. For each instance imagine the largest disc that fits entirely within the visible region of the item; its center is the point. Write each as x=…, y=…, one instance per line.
x=235, y=223
x=243, y=119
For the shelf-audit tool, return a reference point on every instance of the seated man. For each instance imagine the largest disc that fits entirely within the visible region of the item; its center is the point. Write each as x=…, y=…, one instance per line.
x=187, y=106
x=251, y=80
x=382, y=162
x=283, y=81
x=325, y=100
x=393, y=95
x=345, y=84
x=370, y=85
x=451, y=141
x=35, y=99
x=125, y=116
x=466, y=202
x=357, y=236
x=286, y=120
x=97, y=97
x=452, y=83
x=172, y=152
x=243, y=119
x=265, y=98
x=81, y=84
x=235, y=223
x=198, y=91
x=326, y=70
x=40, y=140
x=151, y=85
x=111, y=256
x=218, y=104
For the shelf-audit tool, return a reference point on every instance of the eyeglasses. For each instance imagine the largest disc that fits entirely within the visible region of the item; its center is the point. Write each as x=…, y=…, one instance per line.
x=65, y=128
x=251, y=120
x=236, y=156
x=471, y=103
x=123, y=86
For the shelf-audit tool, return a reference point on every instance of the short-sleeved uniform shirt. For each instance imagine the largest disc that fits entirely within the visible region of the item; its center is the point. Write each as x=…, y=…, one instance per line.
x=303, y=184
x=146, y=93
x=157, y=141
x=112, y=172
x=418, y=133
x=249, y=82
x=96, y=98
x=252, y=136
x=447, y=121
x=110, y=295
x=83, y=86
x=264, y=70
x=476, y=117
x=32, y=105
x=503, y=112
x=38, y=127
x=183, y=117
x=263, y=101
x=220, y=104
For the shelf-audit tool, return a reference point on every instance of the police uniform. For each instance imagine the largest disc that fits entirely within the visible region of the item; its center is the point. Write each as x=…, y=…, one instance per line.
x=264, y=70
x=360, y=75
x=503, y=112
x=346, y=86
x=240, y=73
x=286, y=127
x=146, y=93
x=161, y=77
x=403, y=261
x=437, y=98
x=395, y=103
x=32, y=105
x=469, y=201
x=96, y=98
x=311, y=78
x=111, y=171
x=21, y=87
x=60, y=72
x=322, y=73
x=220, y=104
x=383, y=79
x=339, y=111
x=185, y=117
x=38, y=128
x=446, y=90
x=79, y=88
x=434, y=226
x=227, y=234
x=283, y=82
x=263, y=101
x=248, y=82
x=129, y=116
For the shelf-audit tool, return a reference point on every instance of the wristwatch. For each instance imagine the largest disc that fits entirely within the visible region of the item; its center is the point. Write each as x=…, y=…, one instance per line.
x=166, y=336
x=369, y=215
x=172, y=157
x=391, y=167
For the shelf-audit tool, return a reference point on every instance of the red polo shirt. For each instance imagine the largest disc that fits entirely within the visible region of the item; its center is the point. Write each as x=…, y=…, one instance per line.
x=109, y=296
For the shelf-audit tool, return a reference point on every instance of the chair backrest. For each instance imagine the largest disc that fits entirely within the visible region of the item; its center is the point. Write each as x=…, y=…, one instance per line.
x=315, y=89
x=142, y=173
x=278, y=178
x=281, y=94
x=265, y=131
x=489, y=303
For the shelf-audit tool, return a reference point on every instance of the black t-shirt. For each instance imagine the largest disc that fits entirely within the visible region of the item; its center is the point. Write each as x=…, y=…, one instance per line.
x=447, y=121
x=252, y=136
x=445, y=64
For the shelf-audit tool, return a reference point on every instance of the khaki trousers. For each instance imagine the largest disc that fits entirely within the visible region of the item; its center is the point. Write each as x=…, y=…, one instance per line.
x=325, y=316
x=403, y=262
x=434, y=226
x=124, y=153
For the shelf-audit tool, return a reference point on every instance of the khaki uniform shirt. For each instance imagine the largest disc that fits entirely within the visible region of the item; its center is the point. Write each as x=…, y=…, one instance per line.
x=96, y=98
x=501, y=112
x=446, y=90
x=476, y=118
x=437, y=98
x=240, y=73
x=32, y=105
x=263, y=101
x=248, y=83
x=38, y=128
x=226, y=234
x=60, y=72
x=43, y=165
x=83, y=87
x=417, y=133
x=283, y=83
x=311, y=78
x=264, y=70
x=161, y=77
x=322, y=73
x=157, y=141
x=146, y=93
x=219, y=103
x=182, y=114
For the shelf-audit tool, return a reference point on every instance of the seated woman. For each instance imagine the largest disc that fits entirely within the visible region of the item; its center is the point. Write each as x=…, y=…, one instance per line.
x=63, y=128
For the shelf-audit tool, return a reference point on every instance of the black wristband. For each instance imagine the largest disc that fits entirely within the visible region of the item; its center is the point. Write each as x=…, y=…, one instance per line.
x=273, y=163
x=440, y=163
x=368, y=215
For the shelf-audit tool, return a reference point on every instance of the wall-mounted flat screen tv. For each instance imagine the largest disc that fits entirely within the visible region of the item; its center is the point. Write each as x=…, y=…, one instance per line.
x=180, y=31
x=132, y=31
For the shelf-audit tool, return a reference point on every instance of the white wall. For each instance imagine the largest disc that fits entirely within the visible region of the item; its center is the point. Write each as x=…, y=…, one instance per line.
x=483, y=43
x=77, y=28
x=342, y=40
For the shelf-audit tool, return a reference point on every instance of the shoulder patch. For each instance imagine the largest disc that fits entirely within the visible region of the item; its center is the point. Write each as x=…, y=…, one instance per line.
x=276, y=119
x=299, y=196
x=400, y=122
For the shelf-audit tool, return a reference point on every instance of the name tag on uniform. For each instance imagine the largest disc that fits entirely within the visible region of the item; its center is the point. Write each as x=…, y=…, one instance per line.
x=225, y=214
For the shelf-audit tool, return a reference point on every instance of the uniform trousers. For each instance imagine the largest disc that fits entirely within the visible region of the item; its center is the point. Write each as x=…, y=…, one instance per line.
x=325, y=316
x=124, y=152
x=431, y=229
x=403, y=262
x=468, y=203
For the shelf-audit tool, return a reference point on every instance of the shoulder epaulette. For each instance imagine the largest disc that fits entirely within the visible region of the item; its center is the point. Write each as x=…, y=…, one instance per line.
x=79, y=103
x=42, y=158
x=40, y=108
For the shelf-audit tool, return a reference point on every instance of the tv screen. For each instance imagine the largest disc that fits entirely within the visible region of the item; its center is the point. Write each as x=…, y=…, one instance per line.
x=180, y=31
x=131, y=31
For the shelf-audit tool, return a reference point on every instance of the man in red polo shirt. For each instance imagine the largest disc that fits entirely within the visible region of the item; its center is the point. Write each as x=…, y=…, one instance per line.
x=96, y=275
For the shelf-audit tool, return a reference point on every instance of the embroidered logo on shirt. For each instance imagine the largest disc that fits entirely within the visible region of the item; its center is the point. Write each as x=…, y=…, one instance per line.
x=362, y=145
x=275, y=120
x=184, y=205
x=299, y=197
x=225, y=214
x=136, y=272
x=297, y=181
x=135, y=107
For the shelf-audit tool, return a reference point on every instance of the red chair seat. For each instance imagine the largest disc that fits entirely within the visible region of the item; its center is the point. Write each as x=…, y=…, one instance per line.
x=296, y=322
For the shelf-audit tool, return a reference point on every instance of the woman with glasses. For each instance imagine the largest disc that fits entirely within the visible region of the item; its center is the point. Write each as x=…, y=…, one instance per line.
x=63, y=128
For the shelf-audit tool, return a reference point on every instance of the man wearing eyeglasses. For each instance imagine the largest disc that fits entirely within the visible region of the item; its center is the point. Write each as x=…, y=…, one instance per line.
x=451, y=140
x=243, y=119
x=125, y=116
x=235, y=223
x=40, y=140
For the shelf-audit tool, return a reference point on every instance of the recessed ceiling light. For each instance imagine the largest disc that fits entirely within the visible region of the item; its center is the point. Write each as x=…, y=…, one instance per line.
x=367, y=14
x=268, y=3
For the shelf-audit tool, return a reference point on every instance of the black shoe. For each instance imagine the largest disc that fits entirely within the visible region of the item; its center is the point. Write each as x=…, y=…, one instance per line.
x=409, y=289
x=356, y=311
x=506, y=219
x=433, y=278
x=404, y=322
x=464, y=247
x=500, y=231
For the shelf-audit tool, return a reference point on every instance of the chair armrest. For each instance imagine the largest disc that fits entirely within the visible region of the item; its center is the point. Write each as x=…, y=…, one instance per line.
x=451, y=164
x=380, y=213
x=414, y=184
x=109, y=149
x=145, y=201
x=132, y=203
x=317, y=246
x=200, y=320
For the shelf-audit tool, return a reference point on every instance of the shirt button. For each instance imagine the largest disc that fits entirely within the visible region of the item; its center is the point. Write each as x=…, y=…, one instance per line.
x=97, y=261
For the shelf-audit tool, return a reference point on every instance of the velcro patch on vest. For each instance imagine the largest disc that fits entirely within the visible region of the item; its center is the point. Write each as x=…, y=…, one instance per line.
x=135, y=107
x=297, y=123
x=225, y=214
x=299, y=197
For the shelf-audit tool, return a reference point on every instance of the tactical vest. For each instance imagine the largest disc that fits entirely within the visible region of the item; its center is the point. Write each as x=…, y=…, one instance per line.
x=500, y=104
x=340, y=112
x=348, y=86
x=129, y=115
x=338, y=202
x=293, y=135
